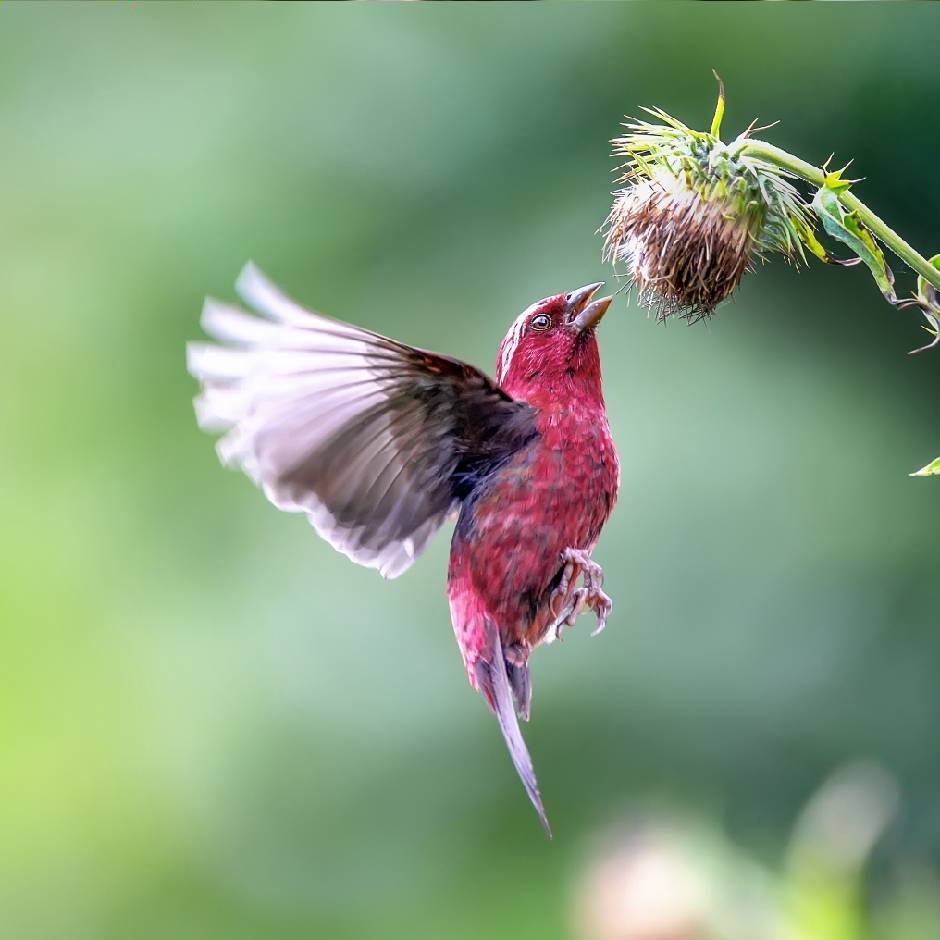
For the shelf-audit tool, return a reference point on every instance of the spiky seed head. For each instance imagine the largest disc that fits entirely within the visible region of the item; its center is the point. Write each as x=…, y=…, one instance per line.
x=684, y=252
x=694, y=213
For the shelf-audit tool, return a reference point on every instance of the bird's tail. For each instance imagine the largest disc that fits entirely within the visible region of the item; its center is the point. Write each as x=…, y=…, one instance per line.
x=493, y=679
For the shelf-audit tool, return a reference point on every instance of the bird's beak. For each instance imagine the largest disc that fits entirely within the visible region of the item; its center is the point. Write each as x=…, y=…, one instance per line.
x=583, y=314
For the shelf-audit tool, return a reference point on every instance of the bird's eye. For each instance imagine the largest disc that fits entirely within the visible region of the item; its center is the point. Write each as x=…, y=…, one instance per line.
x=542, y=322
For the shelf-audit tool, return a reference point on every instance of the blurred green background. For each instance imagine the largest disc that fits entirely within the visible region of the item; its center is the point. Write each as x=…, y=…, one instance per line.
x=212, y=725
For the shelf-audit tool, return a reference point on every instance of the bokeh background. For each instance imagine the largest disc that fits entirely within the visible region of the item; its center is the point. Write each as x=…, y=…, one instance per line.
x=211, y=725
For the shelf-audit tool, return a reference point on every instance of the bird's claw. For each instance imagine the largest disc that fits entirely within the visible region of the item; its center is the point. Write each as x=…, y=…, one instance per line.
x=589, y=596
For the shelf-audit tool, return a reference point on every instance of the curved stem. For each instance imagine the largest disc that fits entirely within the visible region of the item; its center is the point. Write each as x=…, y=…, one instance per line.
x=816, y=175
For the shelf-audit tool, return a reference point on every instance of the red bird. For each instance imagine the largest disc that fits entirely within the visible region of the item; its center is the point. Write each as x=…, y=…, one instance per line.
x=379, y=443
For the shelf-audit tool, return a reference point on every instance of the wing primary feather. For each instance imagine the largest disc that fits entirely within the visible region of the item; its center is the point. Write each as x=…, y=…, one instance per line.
x=255, y=289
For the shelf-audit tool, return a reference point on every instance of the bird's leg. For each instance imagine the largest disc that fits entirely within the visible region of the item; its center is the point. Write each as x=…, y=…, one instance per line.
x=562, y=603
x=590, y=595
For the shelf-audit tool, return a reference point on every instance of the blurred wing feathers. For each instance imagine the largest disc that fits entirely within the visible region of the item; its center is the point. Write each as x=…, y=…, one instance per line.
x=374, y=440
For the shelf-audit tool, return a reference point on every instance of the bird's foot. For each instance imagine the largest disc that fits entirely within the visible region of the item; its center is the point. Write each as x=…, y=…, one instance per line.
x=590, y=595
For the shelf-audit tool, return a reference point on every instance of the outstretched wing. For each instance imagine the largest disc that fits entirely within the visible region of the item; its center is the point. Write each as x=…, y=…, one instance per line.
x=374, y=440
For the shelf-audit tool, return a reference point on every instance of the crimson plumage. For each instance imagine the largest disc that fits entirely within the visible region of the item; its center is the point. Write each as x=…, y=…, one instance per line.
x=378, y=443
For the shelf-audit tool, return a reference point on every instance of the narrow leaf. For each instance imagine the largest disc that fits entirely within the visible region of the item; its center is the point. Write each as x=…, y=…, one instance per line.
x=846, y=228
x=719, y=107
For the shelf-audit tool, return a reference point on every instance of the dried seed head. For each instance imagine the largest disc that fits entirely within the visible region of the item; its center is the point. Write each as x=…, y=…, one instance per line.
x=685, y=253
x=693, y=214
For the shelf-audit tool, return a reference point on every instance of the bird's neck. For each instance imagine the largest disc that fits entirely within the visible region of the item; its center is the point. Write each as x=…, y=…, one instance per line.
x=556, y=384
x=571, y=391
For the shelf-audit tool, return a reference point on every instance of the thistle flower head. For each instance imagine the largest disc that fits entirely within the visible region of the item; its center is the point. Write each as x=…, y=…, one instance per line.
x=695, y=212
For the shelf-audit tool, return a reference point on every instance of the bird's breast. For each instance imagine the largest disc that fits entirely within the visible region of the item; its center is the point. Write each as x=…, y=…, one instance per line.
x=555, y=493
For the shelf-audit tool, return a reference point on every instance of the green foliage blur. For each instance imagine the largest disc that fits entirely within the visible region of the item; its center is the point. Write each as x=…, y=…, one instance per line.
x=212, y=725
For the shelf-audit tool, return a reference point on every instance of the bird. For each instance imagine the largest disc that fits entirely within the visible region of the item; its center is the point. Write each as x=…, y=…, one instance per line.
x=380, y=444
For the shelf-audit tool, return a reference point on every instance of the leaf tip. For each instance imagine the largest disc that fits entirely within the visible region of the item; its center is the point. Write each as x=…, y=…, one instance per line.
x=931, y=470
x=719, y=107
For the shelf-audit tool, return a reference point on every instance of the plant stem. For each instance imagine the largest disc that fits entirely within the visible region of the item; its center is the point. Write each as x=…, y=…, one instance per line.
x=816, y=175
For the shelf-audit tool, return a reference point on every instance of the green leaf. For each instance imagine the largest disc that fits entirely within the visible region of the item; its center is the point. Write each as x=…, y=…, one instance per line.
x=835, y=182
x=931, y=470
x=845, y=227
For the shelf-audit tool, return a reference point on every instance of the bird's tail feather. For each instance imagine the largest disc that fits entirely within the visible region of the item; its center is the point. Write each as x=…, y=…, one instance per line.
x=521, y=687
x=494, y=684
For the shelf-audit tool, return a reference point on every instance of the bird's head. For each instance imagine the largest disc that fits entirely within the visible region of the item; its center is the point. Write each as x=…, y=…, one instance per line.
x=552, y=346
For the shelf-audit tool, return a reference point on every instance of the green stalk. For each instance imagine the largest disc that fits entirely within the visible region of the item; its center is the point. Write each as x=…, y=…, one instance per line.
x=816, y=175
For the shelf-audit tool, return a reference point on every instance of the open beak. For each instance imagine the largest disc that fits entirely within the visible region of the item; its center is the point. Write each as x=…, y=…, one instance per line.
x=584, y=313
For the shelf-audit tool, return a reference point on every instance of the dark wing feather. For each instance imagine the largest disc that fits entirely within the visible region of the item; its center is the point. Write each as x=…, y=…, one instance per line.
x=377, y=442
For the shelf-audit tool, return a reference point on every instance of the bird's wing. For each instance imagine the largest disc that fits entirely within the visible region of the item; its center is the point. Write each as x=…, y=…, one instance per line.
x=374, y=440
